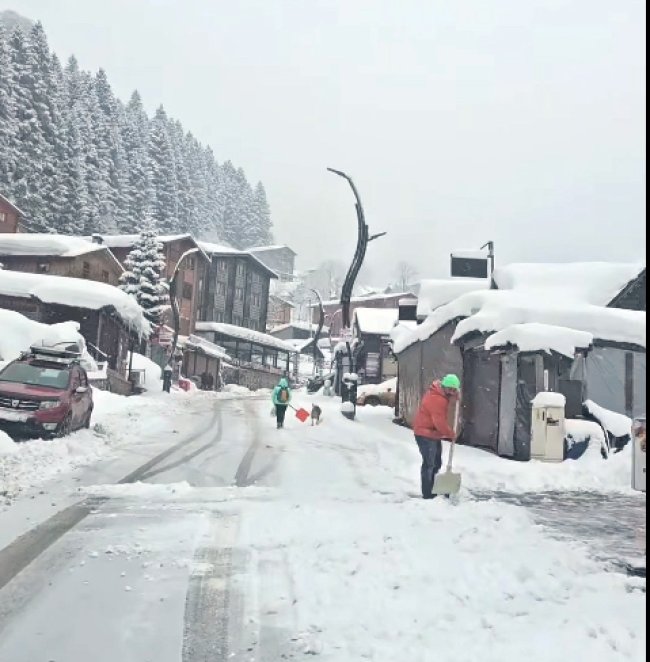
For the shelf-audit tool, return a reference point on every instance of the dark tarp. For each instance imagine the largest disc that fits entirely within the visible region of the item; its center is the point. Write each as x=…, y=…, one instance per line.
x=481, y=399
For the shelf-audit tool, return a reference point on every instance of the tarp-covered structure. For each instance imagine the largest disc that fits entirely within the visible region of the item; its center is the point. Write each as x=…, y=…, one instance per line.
x=510, y=344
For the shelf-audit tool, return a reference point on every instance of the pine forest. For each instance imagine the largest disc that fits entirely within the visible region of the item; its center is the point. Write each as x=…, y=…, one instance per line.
x=77, y=160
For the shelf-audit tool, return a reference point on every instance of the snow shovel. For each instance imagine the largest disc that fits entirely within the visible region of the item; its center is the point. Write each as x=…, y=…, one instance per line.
x=301, y=414
x=449, y=482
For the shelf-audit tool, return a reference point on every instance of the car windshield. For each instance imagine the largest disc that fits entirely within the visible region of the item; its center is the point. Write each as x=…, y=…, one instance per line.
x=35, y=375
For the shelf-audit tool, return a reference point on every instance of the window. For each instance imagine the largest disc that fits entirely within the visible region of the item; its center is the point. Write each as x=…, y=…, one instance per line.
x=222, y=266
x=219, y=317
x=187, y=291
x=85, y=269
x=3, y=217
x=105, y=276
x=221, y=289
x=43, y=268
x=240, y=268
x=239, y=293
x=190, y=264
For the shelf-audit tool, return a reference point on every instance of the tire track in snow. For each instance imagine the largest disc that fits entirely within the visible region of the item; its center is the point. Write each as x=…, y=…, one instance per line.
x=23, y=551
x=209, y=613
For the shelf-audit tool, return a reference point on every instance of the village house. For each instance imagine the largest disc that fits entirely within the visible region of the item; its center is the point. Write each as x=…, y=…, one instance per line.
x=192, y=275
x=59, y=255
x=110, y=320
x=374, y=358
x=333, y=310
x=280, y=311
x=279, y=259
x=10, y=216
x=236, y=288
x=546, y=327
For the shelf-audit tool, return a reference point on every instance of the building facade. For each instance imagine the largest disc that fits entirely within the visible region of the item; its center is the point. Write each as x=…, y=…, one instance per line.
x=280, y=259
x=236, y=289
x=10, y=217
x=191, y=278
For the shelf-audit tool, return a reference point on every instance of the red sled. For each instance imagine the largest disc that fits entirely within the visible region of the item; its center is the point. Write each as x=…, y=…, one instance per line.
x=302, y=414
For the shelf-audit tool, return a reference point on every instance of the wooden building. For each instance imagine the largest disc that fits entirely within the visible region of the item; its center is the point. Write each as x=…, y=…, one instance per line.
x=192, y=276
x=59, y=255
x=110, y=320
x=10, y=217
x=236, y=288
x=279, y=259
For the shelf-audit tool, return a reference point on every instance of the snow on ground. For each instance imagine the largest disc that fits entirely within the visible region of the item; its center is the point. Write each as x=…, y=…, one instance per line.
x=152, y=372
x=379, y=575
x=116, y=421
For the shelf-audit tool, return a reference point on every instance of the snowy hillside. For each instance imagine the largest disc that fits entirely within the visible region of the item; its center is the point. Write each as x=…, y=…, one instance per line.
x=78, y=160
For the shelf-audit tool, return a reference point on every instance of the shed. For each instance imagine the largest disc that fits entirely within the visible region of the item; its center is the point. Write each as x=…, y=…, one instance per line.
x=372, y=328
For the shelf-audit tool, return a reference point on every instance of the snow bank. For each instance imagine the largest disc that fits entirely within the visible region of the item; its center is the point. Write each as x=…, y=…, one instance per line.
x=594, y=283
x=74, y=292
x=377, y=389
x=18, y=333
x=117, y=421
x=541, y=337
x=617, y=424
x=549, y=399
x=438, y=292
x=152, y=372
x=7, y=445
x=376, y=321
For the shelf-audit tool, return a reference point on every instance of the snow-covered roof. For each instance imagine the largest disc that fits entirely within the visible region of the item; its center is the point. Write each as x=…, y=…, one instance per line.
x=248, y=335
x=596, y=283
x=302, y=326
x=76, y=293
x=438, y=292
x=470, y=254
x=12, y=205
x=261, y=249
x=369, y=297
x=129, y=240
x=376, y=321
x=535, y=337
x=49, y=245
x=491, y=311
x=222, y=249
x=204, y=346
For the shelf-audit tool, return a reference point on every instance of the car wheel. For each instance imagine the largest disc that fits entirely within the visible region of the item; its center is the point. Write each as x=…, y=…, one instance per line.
x=373, y=401
x=66, y=427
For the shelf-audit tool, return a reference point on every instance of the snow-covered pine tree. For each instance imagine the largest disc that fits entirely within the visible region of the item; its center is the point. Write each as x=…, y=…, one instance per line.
x=8, y=141
x=144, y=276
x=263, y=235
x=163, y=174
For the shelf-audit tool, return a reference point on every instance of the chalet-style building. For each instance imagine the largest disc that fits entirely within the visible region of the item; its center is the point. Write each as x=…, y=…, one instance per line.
x=59, y=255
x=279, y=259
x=236, y=288
x=10, y=216
x=192, y=277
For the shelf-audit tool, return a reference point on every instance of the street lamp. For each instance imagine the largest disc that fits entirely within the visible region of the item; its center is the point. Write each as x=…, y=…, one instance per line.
x=167, y=381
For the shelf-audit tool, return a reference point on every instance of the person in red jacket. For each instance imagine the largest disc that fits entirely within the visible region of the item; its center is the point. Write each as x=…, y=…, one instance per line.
x=431, y=426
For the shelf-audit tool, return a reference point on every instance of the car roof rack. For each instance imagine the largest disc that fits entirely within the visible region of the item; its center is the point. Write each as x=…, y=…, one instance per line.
x=63, y=353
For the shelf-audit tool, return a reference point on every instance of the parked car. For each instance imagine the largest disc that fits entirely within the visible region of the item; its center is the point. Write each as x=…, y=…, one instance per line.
x=376, y=395
x=45, y=393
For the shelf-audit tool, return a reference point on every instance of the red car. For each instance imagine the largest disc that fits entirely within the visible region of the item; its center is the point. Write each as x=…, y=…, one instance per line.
x=45, y=393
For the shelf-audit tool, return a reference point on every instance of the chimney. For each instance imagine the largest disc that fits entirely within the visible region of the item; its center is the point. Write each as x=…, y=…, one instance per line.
x=408, y=309
x=97, y=239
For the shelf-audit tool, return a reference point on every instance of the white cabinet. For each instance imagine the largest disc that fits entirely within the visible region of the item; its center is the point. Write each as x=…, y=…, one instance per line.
x=548, y=429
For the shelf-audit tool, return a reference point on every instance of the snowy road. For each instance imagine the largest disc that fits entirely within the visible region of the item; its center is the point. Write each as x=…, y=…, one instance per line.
x=212, y=536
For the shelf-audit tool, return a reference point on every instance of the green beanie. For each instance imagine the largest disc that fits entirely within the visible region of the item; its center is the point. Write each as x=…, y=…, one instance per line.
x=451, y=381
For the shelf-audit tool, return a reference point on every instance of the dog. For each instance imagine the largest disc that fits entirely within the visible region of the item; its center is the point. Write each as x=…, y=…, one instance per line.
x=316, y=413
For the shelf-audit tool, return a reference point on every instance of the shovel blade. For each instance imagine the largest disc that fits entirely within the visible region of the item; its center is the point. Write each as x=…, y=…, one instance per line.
x=447, y=483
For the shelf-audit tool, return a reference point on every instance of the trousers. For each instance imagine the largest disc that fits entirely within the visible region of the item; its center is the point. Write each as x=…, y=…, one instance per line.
x=431, y=451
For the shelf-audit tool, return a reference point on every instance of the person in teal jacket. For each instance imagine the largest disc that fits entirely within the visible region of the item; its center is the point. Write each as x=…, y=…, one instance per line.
x=281, y=400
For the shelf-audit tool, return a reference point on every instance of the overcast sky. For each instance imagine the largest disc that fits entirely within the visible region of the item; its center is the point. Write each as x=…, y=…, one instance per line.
x=461, y=121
